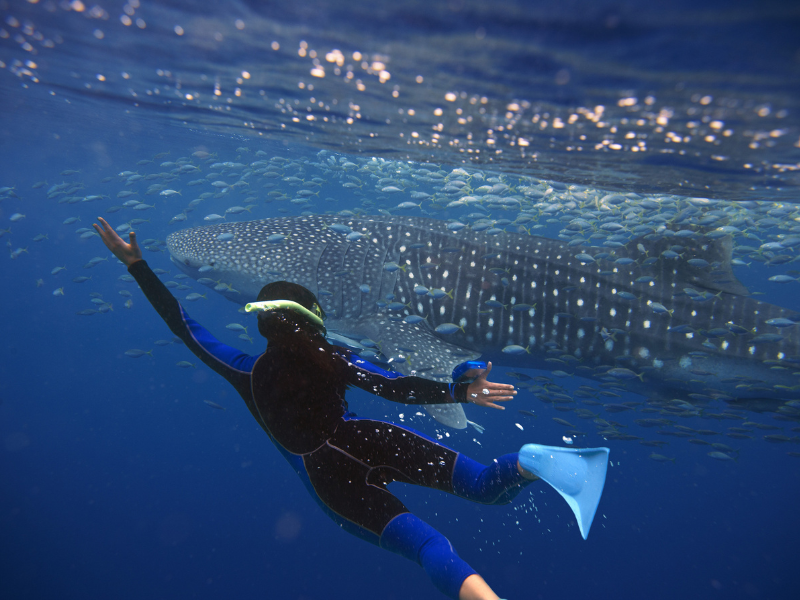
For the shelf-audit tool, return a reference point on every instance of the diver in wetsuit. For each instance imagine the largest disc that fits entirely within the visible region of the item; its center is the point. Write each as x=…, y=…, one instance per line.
x=296, y=392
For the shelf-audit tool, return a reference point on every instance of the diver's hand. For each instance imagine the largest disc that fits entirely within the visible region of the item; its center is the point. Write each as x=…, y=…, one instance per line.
x=485, y=393
x=126, y=253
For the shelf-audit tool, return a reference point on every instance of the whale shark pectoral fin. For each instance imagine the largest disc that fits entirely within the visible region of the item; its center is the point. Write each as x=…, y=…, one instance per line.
x=337, y=339
x=413, y=350
x=451, y=415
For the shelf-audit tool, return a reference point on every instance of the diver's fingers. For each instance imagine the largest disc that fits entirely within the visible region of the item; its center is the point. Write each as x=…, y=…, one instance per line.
x=133, y=251
x=498, y=389
x=487, y=401
x=127, y=253
x=499, y=396
x=499, y=386
x=110, y=234
x=100, y=229
x=103, y=233
x=485, y=389
x=498, y=399
x=106, y=231
x=484, y=376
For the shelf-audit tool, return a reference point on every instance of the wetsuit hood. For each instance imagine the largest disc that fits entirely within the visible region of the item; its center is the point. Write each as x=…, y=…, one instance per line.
x=284, y=307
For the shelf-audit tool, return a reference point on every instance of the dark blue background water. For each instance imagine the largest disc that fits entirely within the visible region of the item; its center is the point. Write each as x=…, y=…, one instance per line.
x=118, y=481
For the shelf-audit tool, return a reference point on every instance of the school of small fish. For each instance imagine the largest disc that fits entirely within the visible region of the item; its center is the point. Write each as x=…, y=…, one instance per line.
x=204, y=187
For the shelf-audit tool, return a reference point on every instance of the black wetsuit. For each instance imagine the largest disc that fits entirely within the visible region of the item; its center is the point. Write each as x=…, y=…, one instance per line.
x=346, y=462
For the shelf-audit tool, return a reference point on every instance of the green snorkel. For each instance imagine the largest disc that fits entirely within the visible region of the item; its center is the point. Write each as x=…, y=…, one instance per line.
x=268, y=305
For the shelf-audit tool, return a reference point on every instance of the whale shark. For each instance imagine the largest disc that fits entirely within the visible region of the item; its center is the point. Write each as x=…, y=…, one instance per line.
x=661, y=315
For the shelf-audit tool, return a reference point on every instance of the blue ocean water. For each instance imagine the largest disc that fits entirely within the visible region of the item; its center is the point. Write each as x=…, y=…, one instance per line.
x=118, y=480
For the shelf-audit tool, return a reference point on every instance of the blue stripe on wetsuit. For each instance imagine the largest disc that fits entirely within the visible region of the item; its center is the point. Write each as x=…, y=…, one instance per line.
x=224, y=355
x=233, y=364
x=411, y=537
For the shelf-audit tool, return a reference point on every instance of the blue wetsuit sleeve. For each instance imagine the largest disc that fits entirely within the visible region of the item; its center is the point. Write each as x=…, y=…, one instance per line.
x=399, y=388
x=233, y=364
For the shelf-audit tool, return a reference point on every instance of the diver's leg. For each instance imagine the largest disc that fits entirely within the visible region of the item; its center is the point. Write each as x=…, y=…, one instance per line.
x=368, y=510
x=414, y=539
x=498, y=483
x=397, y=453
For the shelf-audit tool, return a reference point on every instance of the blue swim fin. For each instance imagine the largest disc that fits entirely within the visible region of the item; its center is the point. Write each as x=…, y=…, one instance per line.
x=578, y=474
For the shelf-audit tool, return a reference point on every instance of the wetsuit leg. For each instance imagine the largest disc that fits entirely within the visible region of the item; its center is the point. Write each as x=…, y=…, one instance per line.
x=354, y=495
x=349, y=475
x=396, y=453
x=414, y=539
x=341, y=482
x=499, y=483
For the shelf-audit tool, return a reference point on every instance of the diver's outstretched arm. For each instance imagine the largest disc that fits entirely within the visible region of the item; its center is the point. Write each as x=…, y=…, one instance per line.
x=418, y=390
x=233, y=364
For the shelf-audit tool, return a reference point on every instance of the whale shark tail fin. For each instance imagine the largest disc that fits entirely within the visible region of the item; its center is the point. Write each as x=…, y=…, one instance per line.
x=578, y=474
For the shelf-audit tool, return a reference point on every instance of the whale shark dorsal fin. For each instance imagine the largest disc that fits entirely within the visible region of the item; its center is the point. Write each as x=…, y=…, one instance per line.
x=413, y=349
x=716, y=251
x=721, y=251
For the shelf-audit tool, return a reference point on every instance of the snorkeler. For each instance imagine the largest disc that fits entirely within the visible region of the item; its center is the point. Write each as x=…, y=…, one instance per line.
x=296, y=391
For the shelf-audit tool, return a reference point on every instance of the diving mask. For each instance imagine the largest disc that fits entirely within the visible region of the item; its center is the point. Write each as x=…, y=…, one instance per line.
x=315, y=317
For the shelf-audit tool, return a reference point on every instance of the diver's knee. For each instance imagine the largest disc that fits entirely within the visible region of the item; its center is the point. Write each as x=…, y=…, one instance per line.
x=406, y=534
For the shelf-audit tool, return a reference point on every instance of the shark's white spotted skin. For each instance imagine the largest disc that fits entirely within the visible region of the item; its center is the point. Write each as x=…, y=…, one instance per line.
x=593, y=311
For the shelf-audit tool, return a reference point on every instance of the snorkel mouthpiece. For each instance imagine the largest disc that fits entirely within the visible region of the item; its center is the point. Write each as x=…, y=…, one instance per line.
x=268, y=305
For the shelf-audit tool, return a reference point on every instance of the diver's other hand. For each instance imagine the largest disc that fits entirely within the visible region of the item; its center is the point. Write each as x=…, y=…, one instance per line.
x=486, y=393
x=126, y=253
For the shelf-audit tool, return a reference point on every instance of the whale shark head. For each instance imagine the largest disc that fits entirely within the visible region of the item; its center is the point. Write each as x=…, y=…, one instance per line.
x=248, y=255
